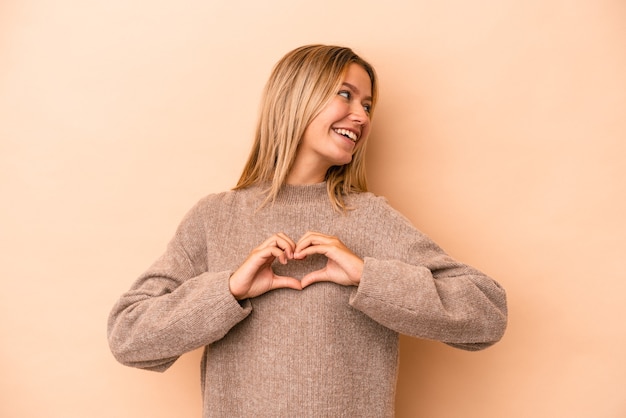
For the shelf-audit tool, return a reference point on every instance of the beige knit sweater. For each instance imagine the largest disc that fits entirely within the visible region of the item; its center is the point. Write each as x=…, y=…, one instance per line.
x=325, y=351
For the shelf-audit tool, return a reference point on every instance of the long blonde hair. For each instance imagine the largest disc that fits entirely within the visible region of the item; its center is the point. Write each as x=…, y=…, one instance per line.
x=301, y=84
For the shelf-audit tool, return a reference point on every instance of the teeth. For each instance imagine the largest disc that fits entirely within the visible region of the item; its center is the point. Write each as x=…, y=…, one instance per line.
x=347, y=133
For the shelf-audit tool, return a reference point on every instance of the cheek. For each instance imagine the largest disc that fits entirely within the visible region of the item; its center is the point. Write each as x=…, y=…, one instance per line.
x=362, y=143
x=366, y=130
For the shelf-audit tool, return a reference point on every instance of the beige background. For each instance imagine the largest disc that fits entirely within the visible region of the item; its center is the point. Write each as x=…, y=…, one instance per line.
x=500, y=133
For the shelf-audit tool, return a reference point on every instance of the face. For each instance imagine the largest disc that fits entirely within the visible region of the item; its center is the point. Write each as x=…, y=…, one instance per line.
x=335, y=133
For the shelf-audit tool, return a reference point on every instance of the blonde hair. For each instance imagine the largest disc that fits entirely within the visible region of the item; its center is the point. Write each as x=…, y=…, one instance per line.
x=301, y=84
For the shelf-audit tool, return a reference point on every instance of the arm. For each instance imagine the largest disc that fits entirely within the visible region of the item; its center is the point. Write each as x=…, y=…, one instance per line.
x=429, y=295
x=176, y=306
x=406, y=282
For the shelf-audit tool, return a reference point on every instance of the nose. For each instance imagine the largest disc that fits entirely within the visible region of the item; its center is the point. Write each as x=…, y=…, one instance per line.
x=358, y=114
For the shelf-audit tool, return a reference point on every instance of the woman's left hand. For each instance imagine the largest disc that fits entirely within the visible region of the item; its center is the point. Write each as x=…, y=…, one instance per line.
x=343, y=266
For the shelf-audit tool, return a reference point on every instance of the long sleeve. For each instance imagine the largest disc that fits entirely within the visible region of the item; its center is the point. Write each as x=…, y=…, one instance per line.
x=423, y=292
x=328, y=349
x=176, y=306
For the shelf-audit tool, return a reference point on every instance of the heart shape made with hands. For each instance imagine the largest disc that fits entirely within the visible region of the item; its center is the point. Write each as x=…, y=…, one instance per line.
x=299, y=268
x=272, y=265
x=341, y=266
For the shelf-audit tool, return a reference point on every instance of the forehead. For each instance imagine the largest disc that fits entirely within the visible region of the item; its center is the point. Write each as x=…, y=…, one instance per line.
x=358, y=79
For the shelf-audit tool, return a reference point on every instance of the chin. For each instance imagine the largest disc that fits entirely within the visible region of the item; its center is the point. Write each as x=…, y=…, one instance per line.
x=344, y=162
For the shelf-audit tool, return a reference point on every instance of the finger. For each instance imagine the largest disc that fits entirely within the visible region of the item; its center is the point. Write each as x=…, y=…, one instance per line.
x=286, y=238
x=276, y=239
x=313, y=249
x=314, y=277
x=313, y=238
x=255, y=262
x=281, y=282
x=281, y=241
x=277, y=253
x=310, y=236
x=286, y=244
x=266, y=255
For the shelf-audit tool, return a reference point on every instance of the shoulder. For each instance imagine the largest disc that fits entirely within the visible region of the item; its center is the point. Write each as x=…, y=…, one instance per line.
x=214, y=206
x=376, y=207
x=378, y=221
x=239, y=198
x=376, y=217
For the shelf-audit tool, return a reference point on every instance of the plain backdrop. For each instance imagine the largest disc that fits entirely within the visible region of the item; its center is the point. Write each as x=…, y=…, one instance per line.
x=500, y=132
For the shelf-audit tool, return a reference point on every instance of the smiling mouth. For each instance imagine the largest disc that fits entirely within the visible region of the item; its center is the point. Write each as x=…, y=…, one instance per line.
x=348, y=134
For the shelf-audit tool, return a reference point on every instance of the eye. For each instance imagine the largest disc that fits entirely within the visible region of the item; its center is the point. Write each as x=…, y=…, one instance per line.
x=368, y=108
x=345, y=94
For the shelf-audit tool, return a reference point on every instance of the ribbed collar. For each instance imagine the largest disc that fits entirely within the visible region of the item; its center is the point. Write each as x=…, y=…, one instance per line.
x=303, y=193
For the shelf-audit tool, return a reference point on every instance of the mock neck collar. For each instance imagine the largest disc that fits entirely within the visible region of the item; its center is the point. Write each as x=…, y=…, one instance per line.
x=303, y=193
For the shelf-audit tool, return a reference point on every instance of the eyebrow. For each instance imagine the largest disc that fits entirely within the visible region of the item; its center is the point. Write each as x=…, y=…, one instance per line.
x=353, y=88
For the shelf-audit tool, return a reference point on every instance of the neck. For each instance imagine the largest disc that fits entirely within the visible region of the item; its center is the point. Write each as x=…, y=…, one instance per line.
x=305, y=173
x=295, y=179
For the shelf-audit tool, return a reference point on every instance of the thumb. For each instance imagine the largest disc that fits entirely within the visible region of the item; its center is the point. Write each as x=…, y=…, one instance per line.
x=286, y=282
x=314, y=277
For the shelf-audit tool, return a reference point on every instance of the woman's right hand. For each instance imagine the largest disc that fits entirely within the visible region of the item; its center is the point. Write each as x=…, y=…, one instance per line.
x=255, y=275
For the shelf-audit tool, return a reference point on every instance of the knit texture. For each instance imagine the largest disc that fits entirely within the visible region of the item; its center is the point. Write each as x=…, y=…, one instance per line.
x=325, y=351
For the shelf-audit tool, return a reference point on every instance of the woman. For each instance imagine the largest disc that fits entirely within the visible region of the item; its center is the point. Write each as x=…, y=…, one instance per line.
x=298, y=282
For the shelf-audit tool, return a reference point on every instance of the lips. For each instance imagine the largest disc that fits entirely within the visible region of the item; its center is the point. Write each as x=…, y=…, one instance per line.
x=351, y=135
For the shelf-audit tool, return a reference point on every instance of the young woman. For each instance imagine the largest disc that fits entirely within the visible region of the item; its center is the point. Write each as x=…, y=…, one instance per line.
x=298, y=282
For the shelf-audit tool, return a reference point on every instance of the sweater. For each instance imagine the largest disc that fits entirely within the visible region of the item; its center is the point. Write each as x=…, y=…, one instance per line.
x=323, y=351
